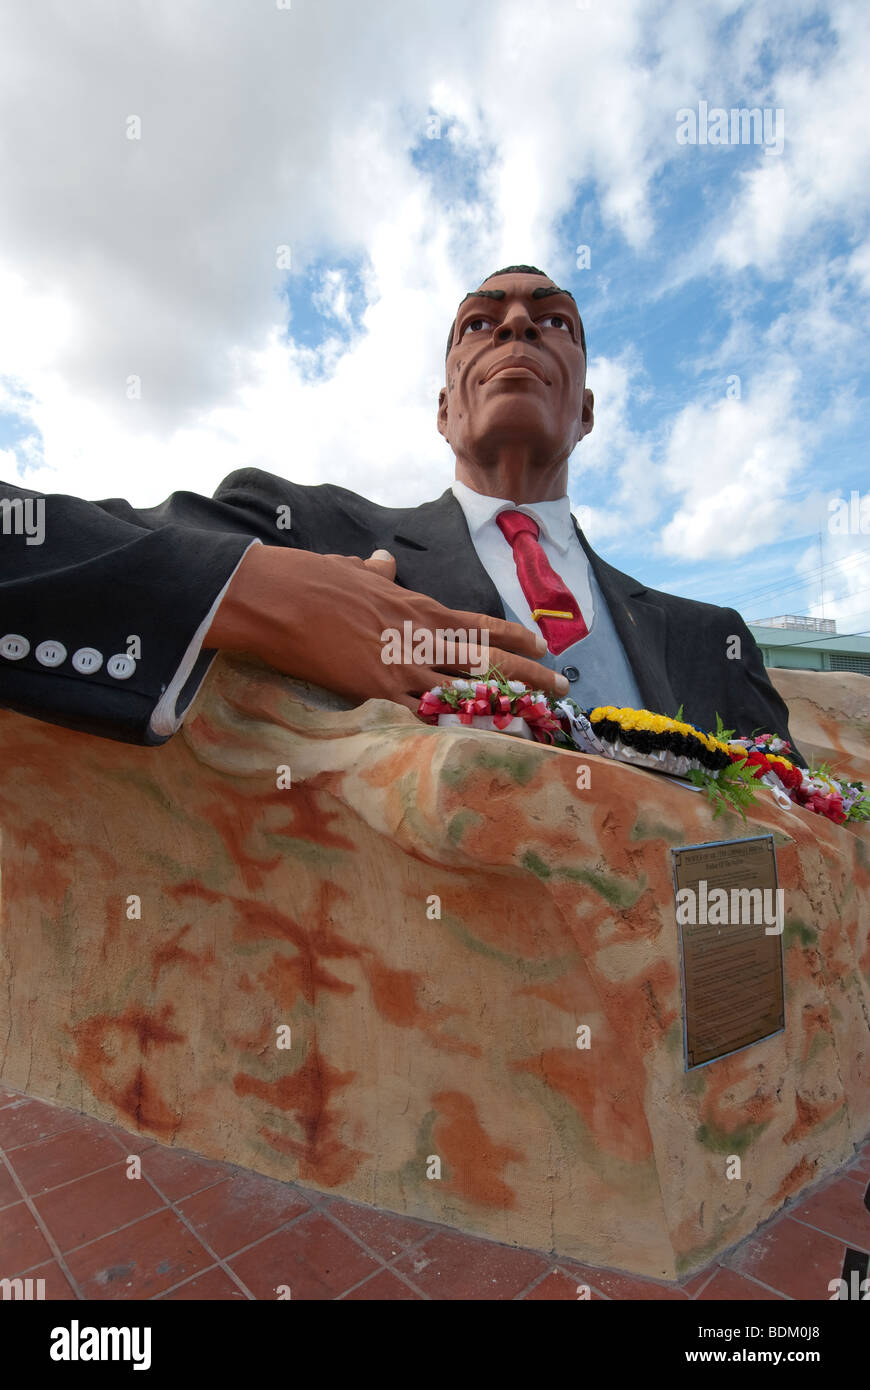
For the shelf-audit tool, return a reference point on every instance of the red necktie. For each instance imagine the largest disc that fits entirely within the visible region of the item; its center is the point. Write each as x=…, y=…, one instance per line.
x=554, y=607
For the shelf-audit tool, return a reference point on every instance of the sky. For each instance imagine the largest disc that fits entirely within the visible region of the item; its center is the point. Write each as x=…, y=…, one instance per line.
x=235, y=234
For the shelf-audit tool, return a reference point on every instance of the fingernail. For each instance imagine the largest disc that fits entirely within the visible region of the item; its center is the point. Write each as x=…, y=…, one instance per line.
x=562, y=685
x=540, y=643
x=381, y=555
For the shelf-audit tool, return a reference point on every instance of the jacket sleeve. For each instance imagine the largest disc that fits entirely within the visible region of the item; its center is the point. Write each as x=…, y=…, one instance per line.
x=754, y=703
x=101, y=606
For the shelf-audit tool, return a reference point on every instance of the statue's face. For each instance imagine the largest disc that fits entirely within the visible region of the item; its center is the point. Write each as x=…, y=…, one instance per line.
x=516, y=372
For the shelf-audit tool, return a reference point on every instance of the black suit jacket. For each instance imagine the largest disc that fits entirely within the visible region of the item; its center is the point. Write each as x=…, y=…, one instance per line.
x=107, y=571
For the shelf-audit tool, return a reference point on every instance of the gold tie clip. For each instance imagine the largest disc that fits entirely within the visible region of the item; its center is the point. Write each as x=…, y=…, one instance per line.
x=549, y=613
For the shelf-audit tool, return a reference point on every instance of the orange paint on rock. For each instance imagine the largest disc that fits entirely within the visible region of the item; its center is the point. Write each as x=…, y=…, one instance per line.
x=308, y=1092
x=573, y=994
x=33, y=870
x=520, y=927
x=234, y=826
x=394, y=995
x=844, y=766
x=646, y=1005
x=286, y=977
x=173, y=953
x=194, y=888
x=809, y=1115
x=309, y=816
x=394, y=765
x=794, y=1180
x=730, y=1116
x=815, y=1019
x=599, y=1088
x=138, y=1031
x=203, y=729
x=475, y=1160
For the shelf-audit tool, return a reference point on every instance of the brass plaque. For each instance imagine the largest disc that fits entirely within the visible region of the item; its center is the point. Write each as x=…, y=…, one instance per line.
x=730, y=916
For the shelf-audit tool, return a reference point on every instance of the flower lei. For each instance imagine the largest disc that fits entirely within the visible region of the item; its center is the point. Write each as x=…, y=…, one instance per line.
x=500, y=699
x=726, y=767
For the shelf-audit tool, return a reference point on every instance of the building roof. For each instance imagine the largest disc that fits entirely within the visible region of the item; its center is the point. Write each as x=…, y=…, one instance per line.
x=821, y=642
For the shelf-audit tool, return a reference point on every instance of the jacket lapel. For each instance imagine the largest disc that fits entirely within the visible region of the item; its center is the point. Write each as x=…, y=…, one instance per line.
x=641, y=625
x=435, y=555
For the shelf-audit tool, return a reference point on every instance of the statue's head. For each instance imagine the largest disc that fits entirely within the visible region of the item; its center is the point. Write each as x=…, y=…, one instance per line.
x=516, y=371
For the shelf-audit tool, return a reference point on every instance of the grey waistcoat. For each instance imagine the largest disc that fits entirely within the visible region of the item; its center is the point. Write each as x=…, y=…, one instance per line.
x=605, y=676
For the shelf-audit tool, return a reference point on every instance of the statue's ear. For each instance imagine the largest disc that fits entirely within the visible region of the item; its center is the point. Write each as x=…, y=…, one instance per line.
x=587, y=414
x=442, y=411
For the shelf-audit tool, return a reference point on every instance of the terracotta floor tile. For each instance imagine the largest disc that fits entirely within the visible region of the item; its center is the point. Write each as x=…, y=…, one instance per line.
x=63, y=1157
x=613, y=1284
x=6, y=1096
x=855, y=1175
x=726, y=1284
x=58, y=1289
x=561, y=1287
x=95, y=1205
x=22, y=1243
x=383, y=1288
x=8, y=1191
x=140, y=1261
x=861, y=1169
x=693, y=1285
x=240, y=1210
x=214, y=1285
x=179, y=1174
x=839, y=1210
x=25, y=1121
x=313, y=1257
x=386, y=1233
x=453, y=1266
x=130, y=1143
x=792, y=1258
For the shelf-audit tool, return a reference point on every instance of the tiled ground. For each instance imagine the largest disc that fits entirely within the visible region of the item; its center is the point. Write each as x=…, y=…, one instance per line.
x=192, y=1229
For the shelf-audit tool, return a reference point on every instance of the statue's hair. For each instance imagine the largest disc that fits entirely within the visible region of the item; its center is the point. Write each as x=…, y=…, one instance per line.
x=522, y=270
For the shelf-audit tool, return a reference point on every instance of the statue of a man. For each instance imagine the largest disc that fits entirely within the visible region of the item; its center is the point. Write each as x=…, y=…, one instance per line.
x=499, y=553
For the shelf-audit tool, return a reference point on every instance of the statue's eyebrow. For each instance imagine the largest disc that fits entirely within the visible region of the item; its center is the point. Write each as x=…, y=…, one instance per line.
x=483, y=294
x=544, y=290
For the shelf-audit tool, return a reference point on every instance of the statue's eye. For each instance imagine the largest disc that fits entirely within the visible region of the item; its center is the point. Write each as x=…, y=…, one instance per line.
x=555, y=321
x=475, y=325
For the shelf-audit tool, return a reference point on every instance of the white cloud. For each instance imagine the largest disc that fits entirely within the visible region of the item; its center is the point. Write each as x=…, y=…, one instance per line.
x=731, y=462
x=264, y=127
x=824, y=170
x=615, y=459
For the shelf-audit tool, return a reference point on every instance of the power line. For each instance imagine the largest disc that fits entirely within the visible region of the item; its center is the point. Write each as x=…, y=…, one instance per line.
x=826, y=637
x=778, y=588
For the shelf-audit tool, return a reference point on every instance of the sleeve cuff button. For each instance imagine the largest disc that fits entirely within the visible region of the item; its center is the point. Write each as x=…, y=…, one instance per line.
x=120, y=666
x=13, y=646
x=50, y=653
x=87, y=660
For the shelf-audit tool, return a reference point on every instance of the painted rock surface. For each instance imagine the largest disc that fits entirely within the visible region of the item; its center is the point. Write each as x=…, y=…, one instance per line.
x=351, y=950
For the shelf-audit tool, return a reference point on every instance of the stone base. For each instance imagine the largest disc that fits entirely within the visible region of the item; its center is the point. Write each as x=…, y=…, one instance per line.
x=425, y=916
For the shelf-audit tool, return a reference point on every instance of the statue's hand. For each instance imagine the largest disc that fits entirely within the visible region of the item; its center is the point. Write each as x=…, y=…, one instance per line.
x=309, y=617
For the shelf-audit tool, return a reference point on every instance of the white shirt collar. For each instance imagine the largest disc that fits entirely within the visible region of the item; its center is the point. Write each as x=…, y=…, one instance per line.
x=554, y=518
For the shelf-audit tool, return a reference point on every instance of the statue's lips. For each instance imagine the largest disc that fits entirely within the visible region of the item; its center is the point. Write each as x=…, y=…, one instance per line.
x=516, y=367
